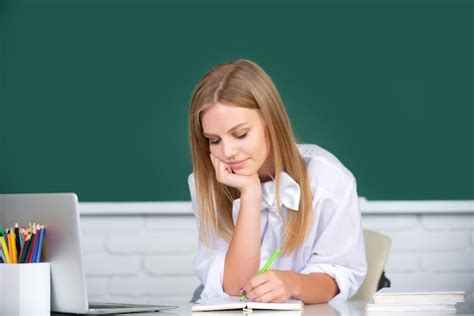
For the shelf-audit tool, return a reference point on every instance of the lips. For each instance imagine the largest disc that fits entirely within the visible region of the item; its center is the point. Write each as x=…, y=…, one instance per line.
x=237, y=164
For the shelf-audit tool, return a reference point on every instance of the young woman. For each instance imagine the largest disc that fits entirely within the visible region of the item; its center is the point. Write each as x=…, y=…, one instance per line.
x=254, y=189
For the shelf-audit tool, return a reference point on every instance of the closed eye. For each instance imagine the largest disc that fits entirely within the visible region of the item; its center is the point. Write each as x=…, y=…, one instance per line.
x=217, y=140
x=242, y=135
x=213, y=141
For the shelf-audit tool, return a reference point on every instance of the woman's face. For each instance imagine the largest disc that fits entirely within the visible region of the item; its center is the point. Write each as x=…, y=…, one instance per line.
x=238, y=137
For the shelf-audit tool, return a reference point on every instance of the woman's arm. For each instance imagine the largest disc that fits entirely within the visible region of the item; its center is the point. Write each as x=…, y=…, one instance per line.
x=314, y=288
x=243, y=256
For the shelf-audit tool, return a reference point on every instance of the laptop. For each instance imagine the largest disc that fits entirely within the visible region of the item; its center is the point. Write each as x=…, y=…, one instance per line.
x=58, y=212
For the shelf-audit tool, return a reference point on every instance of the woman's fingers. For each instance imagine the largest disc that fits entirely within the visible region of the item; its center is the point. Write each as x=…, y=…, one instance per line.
x=253, y=285
x=261, y=293
x=268, y=287
x=222, y=169
x=225, y=175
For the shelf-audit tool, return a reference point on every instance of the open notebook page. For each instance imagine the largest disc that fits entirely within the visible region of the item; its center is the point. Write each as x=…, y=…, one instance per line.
x=233, y=302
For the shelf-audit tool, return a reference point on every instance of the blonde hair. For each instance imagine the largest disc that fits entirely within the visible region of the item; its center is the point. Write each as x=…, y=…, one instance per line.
x=243, y=83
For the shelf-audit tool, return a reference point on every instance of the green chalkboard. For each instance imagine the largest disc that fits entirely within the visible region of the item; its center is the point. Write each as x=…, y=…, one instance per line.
x=94, y=94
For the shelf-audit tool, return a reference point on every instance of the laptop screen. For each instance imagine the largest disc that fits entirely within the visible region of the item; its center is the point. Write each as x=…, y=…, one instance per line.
x=58, y=212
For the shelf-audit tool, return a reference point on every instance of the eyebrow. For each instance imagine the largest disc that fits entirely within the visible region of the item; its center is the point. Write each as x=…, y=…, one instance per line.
x=230, y=130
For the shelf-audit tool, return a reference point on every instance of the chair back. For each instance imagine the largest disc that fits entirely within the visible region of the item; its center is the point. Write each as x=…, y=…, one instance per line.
x=377, y=249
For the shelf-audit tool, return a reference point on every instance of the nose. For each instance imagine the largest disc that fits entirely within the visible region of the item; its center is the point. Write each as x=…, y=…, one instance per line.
x=228, y=149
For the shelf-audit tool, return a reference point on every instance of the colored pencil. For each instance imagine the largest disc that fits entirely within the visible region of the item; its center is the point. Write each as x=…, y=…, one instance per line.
x=2, y=256
x=35, y=251
x=33, y=245
x=40, y=244
x=17, y=237
x=24, y=249
x=4, y=246
x=14, y=253
x=22, y=245
x=9, y=243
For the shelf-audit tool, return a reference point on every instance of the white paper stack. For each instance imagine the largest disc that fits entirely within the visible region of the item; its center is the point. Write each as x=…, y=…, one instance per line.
x=390, y=300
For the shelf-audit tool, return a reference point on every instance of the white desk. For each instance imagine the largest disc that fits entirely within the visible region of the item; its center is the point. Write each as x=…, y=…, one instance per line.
x=344, y=308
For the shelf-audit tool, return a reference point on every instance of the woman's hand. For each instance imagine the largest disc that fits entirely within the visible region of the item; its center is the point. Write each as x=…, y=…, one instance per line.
x=225, y=175
x=274, y=286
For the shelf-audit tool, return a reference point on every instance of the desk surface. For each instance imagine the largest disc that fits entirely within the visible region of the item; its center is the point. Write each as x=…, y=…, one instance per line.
x=343, y=308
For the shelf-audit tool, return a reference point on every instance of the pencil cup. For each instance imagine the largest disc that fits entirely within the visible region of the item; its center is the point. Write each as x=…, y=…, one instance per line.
x=25, y=289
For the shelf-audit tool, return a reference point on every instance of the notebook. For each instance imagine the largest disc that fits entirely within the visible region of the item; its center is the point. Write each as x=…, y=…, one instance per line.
x=233, y=302
x=58, y=212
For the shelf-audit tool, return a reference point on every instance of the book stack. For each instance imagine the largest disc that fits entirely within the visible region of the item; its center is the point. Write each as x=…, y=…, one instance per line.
x=389, y=300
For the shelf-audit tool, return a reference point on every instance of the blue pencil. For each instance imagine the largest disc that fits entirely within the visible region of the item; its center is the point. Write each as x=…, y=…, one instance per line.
x=39, y=246
x=2, y=256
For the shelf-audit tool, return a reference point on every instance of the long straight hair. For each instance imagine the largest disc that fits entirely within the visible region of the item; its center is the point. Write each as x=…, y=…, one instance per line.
x=245, y=84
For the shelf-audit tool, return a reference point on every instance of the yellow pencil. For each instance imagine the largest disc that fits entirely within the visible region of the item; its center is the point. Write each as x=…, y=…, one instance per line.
x=14, y=253
x=9, y=242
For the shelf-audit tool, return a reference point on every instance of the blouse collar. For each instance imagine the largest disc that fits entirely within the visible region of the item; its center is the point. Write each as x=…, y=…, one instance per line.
x=290, y=195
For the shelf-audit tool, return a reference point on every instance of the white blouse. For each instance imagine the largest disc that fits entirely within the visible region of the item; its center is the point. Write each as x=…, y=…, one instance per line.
x=335, y=243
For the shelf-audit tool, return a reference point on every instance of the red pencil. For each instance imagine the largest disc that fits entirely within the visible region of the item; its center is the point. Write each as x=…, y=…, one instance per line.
x=31, y=251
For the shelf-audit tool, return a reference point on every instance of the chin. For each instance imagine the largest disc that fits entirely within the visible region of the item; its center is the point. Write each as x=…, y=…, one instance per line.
x=244, y=172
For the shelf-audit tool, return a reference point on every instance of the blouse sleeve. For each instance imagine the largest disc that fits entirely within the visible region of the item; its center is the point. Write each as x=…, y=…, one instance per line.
x=339, y=250
x=209, y=261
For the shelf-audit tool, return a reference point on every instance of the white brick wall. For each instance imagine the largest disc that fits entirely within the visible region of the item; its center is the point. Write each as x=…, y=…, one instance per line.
x=148, y=257
x=143, y=258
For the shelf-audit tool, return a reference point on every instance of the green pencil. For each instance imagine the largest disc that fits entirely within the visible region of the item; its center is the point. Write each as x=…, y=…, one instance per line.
x=264, y=268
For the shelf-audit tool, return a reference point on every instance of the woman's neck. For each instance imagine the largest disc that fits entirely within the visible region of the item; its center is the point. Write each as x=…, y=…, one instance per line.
x=267, y=170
